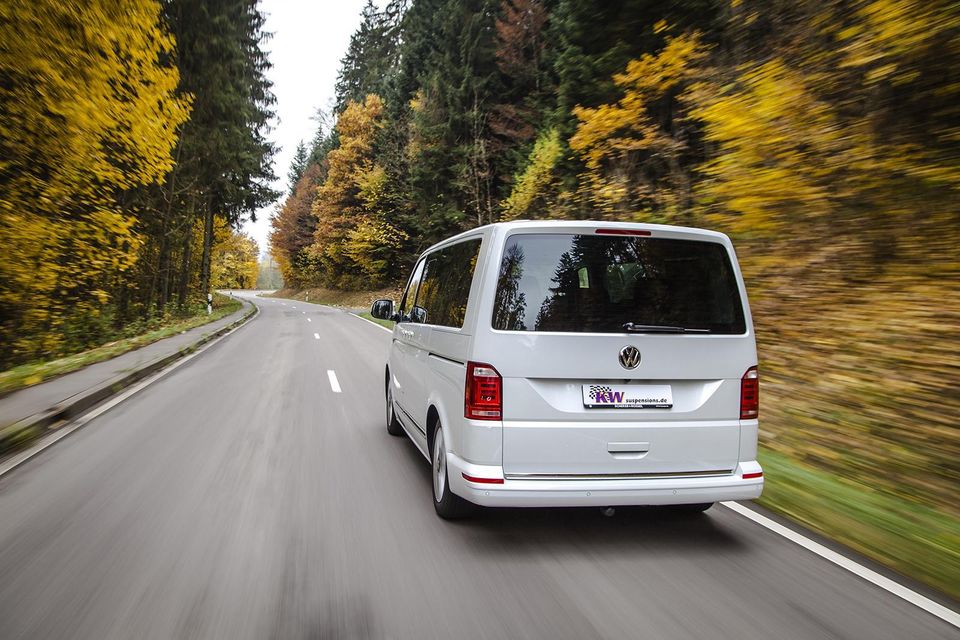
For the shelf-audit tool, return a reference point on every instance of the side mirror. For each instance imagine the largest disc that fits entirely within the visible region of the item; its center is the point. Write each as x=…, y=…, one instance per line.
x=382, y=309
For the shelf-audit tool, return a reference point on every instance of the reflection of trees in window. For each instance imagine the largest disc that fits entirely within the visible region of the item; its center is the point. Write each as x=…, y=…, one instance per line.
x=511, y=304
x=580, y=298
x=410, y=295
x=426, y=298
x=460, y=260
x=595, y=284
x=446, y=283
x=565, y=279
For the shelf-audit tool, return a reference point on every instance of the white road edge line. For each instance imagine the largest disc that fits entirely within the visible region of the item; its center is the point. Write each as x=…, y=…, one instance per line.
x=379, y=326
x=334, y=383
x=316, y=336
x=897, y=589
x=97, y=411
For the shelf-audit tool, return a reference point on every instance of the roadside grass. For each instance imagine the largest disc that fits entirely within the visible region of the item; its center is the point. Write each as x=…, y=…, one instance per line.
x=383, y=323
x=36, y=372
x=914, y=539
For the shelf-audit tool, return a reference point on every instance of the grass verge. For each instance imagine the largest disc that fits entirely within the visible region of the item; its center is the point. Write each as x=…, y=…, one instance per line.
x=913, y=539
x=34, y=373
x=383, y=323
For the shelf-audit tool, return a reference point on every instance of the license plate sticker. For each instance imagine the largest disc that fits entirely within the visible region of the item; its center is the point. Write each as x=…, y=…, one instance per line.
x=627, y=396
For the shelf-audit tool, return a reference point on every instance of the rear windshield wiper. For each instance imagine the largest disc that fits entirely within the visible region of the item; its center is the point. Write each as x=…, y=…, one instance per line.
x=629, y=327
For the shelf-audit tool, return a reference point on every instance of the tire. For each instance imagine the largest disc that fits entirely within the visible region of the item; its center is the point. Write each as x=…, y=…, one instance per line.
x=448, y=505
x=394, y=427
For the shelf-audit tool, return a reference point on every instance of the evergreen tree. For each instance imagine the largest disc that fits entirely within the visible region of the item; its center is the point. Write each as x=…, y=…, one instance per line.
x=224, y=153
x=297, y=165
x=324, y=139
x=371, y=57
x=451, y=177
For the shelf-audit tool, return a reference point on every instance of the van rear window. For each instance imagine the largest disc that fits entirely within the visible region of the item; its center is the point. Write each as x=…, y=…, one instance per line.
x=596, y=284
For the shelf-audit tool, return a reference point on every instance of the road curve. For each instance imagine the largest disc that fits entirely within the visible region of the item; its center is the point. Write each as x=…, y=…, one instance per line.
x=240, y=496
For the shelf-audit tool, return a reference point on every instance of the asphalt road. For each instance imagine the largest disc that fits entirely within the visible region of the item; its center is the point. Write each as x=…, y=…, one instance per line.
x=241, y=497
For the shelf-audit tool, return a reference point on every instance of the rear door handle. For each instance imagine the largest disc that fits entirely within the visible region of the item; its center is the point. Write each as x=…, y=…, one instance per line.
x=628, y=450
x=628, y=447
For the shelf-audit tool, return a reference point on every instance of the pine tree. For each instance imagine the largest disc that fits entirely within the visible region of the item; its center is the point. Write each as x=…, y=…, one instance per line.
x=224, y=152
x=297, y=166
x=371, y=58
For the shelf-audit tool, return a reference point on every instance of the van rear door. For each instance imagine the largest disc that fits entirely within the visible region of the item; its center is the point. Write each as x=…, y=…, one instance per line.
x=621, y=351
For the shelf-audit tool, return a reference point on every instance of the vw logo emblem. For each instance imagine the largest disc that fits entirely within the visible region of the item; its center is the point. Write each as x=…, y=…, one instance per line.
x=629, y=357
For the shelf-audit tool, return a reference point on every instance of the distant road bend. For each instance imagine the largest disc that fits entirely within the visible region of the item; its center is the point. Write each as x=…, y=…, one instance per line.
x=254, y=493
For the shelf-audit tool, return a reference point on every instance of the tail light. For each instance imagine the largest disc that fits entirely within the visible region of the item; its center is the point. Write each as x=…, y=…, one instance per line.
x=750, y=395
x=483, y=395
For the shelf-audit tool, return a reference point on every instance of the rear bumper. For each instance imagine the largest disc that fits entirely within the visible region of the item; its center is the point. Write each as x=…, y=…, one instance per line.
x=612, y=492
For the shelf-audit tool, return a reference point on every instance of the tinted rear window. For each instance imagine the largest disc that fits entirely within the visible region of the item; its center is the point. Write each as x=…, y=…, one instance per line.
x=592, y=283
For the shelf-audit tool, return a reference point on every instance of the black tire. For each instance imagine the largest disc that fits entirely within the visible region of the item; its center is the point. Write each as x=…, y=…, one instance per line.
x=394, y=427
x=448, y=505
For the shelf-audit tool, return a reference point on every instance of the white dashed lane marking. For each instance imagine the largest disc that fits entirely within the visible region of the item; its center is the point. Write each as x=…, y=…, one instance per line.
x=334, y=383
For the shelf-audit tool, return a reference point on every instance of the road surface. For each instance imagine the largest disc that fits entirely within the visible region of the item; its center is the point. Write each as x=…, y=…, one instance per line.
x=240, y=496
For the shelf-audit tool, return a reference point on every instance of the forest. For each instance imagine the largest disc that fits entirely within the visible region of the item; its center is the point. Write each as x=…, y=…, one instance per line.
x=823, y=136
x=132, y=144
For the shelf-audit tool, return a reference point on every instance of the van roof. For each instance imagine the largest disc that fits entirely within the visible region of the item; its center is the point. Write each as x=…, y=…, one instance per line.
x=506, y=227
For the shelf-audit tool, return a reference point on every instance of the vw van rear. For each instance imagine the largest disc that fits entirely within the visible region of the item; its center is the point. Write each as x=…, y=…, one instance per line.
x=596, y=364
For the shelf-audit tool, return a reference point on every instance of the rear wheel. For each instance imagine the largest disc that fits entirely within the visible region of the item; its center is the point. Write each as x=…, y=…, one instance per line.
x=448, y=505
x=394, y=427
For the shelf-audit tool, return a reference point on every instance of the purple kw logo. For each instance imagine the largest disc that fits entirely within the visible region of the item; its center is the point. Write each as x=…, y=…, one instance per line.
x=605, y=395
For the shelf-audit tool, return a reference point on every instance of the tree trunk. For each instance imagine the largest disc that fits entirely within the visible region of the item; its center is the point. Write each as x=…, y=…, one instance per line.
x=184, y=285
x=165, y=259
x=207, y=245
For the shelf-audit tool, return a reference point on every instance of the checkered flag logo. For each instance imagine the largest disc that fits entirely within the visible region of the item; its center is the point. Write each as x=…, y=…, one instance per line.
x=596, y=391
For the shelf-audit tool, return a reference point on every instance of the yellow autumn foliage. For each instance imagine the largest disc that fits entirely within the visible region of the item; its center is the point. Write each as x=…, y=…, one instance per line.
x=535, y=181
x=87, y=111
x=851, y=139
x=777, y=142
x=833, y=159
x=234, y=258
x=354, y=242
x=633, y=163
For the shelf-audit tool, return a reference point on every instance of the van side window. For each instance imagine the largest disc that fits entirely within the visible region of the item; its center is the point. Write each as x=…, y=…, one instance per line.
x=446, y=281
x=411, y=293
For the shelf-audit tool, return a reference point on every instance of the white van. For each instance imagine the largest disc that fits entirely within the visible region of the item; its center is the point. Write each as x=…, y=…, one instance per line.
x=577, y=363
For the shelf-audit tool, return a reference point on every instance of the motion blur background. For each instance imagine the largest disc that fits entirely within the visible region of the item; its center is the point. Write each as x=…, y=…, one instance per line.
x=822, y=135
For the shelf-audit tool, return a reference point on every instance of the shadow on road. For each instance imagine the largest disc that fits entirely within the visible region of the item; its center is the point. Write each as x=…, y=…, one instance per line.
x=631, y=531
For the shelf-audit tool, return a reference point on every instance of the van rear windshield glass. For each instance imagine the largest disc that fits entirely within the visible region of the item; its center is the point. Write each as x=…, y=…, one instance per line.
x=596, y=284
